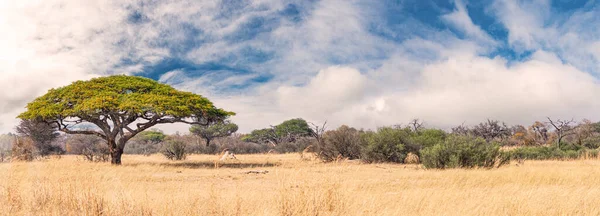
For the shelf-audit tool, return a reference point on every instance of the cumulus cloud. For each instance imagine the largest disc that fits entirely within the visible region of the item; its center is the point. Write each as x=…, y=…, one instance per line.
x=340, y=61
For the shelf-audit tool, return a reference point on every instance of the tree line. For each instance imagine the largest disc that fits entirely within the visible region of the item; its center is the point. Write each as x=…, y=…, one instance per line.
x=104, y=117
x=487, y=144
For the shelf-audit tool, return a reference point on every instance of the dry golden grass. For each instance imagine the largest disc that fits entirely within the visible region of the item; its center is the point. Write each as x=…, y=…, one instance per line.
x=154, y=186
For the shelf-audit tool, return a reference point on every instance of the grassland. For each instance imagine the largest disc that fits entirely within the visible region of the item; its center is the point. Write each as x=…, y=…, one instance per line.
x=154, y=186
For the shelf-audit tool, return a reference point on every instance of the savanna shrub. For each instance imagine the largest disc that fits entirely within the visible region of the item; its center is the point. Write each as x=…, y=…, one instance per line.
x=174, y=150
x=424, y=139
x=298, y=145
x=591, y=143
x=386, y=145
x=463, y=152
x=566, y=152
x=24, y=149
x=344, y=141
x=92, y=148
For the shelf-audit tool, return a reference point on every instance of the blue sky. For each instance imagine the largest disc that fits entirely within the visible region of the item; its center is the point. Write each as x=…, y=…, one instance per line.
x=362, y=63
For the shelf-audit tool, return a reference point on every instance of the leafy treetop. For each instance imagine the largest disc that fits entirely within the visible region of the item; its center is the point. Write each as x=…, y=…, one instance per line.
x=121, y=107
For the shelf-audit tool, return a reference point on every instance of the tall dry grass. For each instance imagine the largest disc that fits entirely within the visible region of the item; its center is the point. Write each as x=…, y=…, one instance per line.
x=155, y=186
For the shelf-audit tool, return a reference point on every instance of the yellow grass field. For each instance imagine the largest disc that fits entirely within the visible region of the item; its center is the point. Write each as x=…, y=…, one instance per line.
x=154, y=186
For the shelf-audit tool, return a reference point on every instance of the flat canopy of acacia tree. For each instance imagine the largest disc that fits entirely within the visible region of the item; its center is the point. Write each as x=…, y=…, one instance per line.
x=121, y=107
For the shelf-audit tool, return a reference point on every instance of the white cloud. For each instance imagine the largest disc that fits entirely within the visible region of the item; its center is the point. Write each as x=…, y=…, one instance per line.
x=328, y=66
x=461, y=20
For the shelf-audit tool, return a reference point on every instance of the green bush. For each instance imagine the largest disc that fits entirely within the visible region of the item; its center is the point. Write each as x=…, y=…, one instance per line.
x=551, y=152
x=386, y=145
x=174, y=150
x=464, y=152
x=344, y=141
x=591, y=143
x=424, y=139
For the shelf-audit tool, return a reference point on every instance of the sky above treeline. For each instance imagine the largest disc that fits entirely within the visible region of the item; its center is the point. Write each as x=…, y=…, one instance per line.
x=360, y=63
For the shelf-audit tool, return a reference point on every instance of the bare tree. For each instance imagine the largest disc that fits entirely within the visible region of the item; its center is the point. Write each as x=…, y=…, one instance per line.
x=416, y=125
x=491, y=130
x=563, y=128
x=318, y=131
x=461, y=129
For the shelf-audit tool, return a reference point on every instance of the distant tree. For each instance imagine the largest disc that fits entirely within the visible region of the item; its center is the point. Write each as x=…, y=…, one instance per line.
x=120, y=107
x=541, y=132
x=41, y=134
x=461, y=130
x=492, y=130
x=146, y=142
x=293, y=129
x=262, y=136
x=317, y=131
x=287, y=131
x=416, y=125
x=562, y=128
x=212, y=131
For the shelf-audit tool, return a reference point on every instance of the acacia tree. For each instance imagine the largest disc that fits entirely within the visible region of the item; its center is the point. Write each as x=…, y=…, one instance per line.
x=119, y=107
x=209, y=132
x=287, y=131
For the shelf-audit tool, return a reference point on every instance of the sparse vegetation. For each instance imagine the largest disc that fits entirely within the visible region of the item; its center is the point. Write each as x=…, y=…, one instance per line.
x=174, y=149
x=143, y=185
x=91, y=148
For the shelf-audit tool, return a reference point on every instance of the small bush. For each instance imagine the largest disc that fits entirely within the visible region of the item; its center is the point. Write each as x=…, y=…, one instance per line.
x=345, y=142
x=463, y=152
x=24, y=149
x=386, y=145
x=92, y=148
x=174, y=150
x=297, y=145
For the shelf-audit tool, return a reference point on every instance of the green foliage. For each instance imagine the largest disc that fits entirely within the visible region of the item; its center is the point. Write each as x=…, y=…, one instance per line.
x=153, y=136
x=120, y=107
x=125, y=94
x=424, y=139
x=174, y=149
x=463, y=152
x=293, y=128
x=219, y=129
x=146, y=142
x=386, y=145
x=344, y=141
x=262, y=136
x=591, y=142
x=287, y=131
x=567, y=152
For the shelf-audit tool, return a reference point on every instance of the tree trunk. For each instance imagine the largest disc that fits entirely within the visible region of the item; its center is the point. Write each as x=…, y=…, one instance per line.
x=116, y=151
x=560, y=136
x=116, y=156
x=207, y=142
